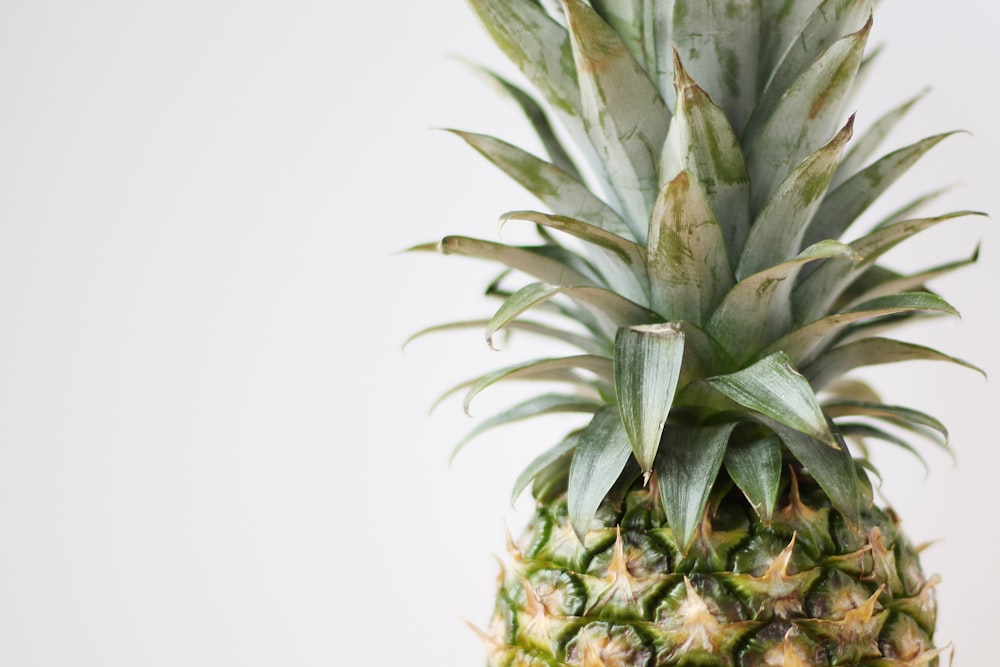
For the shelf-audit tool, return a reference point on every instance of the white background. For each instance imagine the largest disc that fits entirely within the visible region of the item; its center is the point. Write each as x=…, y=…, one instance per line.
x=213, y=451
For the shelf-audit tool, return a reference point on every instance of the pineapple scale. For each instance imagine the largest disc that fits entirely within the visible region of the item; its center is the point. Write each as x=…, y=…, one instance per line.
x=803, y=591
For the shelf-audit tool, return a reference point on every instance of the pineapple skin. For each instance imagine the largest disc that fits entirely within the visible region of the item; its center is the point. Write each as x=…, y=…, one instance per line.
x=805, y=590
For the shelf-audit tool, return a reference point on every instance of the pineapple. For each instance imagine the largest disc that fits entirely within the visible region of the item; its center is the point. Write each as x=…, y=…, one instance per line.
x=696, y=259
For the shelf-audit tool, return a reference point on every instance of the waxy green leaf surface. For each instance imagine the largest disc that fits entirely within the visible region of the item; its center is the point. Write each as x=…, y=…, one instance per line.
x=647, y=369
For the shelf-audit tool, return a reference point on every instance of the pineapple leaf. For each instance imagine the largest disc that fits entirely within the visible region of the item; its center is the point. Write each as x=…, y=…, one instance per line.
x=533, y=407
x=560, y=191
x=755, y=467
x=554, y=368
x=634, y=23
x=539, y=121
x=757, y=309
x=785, y=21
x=688, y=267
x=551, y=375
x=778, y=230
x=804, y=118
x=895, y=414
x=843, y=205
x=647, y=367
x=773, y=388
x=851, y=389
x=832, y=468
x=531, y=261
x=689, y=463
x=628, y=252
x=823, y=286
x=601, y=455
x=885, y=237
x=712, y=38
x=585, y=343
x=865, y=146
x=616, y=308
x=806, y=342
x=865, y=69
x=830, y=21
x=869, y=352
x=702, y=142
x=539, y=463
x=536, y=43
x=625, y=117
x=907, y=210
x=540, y=47
x=863, y=431
x=620, y=261
x=703, y=356
x=879, y=282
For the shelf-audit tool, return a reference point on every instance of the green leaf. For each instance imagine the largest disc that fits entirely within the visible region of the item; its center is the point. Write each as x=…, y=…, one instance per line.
x=564, y=375
x=757, y=309
x=870, y=352
x=634, y=23
x=865, y=146
x=647, y=368
x=611, y=305
x=517, y=303
x=863, y=431
x=832, y=468
x=778, y=230
x=598, y=328
x=621, y=262
x=703, y=356
x=702, y=143
x=895, y=414
x=806, y=342
x=785, y=21
x=830, y=21
x=527, y=260
x=773, y=388
x=538, y=119
x=822, y=287
x=879, y=282
x=721, y=53
x=540, y=463
x=546, y=368
x=755, y=467
x=688, y=268
x=540, y=47
x=687, y=468
x=804, y=119
x=555, y=188
x=601, y=455
x=625, y=117
x=584, y=343
x=851, y=389
x=533, y=407
x=536, y=43
x=907, y=210
x=865, y=70
x=874, y=245
x=843, y=205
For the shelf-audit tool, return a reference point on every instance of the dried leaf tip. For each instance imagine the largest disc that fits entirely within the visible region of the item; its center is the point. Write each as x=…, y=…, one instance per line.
x=682, y=79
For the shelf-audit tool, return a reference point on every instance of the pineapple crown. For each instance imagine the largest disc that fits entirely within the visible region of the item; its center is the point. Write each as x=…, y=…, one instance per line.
x=694, y=266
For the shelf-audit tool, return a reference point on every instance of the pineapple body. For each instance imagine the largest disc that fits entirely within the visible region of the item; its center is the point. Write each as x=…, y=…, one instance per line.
x=804, y=590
